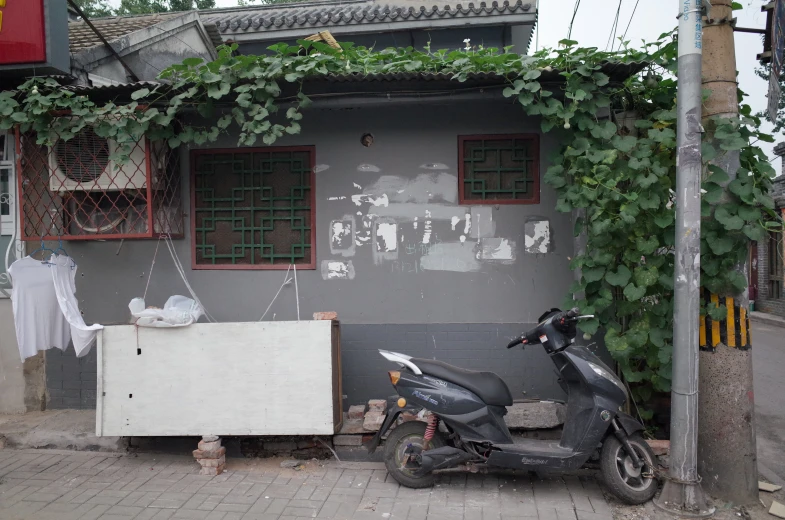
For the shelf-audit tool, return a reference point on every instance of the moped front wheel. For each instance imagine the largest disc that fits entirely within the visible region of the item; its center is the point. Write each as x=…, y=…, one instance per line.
x=630, y=484
x=401, y=454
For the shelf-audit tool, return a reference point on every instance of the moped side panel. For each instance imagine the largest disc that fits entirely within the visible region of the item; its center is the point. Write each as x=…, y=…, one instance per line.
x=436, y=395
x=463, y=411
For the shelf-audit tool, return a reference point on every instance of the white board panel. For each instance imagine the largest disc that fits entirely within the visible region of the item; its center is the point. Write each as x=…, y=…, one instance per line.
x=265, y=378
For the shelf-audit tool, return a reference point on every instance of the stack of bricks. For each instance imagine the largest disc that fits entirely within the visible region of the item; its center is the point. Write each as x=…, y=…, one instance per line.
x=210, y=455
x=375, y=416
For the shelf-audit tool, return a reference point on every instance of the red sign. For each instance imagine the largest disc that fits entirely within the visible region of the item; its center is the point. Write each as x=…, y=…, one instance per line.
x=22, y=32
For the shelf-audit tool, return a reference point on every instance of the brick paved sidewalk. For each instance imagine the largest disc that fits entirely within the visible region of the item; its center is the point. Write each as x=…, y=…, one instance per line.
x=59, y=485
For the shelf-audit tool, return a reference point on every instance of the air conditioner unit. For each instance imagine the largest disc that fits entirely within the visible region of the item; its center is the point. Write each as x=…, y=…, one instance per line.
x=82, y=164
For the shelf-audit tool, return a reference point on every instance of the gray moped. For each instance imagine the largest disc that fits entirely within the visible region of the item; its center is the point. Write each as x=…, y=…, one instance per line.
x=465, y=420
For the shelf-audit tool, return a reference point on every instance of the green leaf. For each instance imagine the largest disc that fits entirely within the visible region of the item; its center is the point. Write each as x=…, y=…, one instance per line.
x=738, y=280
x=718, y=175
x=665, y=353
x=754, y=232
x=589, y=326
x=624, y=144
x=633, y=292
x=614, y=343
x=210, y=77
x=593, y=274
x=649, y=200
x=604, y=130
x=734, y=143
x=664, y=220
x=645, y=276
x=717, y=312
x=139, y=94
x=217, y=91
x=658, y=336
x=192, y=62
x=647, y=245
x=740, y=187
x=721, y=245
x=729, y=221
x=620, y=277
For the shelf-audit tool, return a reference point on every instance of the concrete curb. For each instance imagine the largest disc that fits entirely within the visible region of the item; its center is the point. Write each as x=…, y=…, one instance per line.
x=768, y=319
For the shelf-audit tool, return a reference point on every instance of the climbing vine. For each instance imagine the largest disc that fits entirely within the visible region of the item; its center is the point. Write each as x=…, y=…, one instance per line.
x=616, y=166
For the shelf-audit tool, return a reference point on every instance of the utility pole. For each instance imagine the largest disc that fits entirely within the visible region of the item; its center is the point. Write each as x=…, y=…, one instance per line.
x=727, y=457
x=682, y=492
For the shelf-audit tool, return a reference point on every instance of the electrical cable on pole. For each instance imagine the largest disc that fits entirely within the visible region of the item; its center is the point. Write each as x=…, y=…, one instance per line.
x=612, y=34
x=628, y=24
x=574, y=12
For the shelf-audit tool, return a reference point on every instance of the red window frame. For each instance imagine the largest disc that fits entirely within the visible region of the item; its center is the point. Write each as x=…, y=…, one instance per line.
x=534, y=138
x=251, y=267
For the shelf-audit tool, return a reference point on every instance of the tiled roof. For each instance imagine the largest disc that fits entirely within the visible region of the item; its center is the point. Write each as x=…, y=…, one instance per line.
x=81, y=36
x=354, y=12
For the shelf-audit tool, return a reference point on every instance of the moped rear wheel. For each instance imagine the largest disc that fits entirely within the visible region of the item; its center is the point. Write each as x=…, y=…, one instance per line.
x=401, y=451
x=630, y=484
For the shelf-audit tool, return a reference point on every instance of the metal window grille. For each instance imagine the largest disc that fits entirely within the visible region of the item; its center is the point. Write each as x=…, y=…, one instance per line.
x=499, y=169
x=776, y=265
x=253, y=208
x=74, y=190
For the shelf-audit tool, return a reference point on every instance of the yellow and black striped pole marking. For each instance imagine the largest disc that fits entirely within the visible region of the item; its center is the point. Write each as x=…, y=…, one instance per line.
x=733, y=331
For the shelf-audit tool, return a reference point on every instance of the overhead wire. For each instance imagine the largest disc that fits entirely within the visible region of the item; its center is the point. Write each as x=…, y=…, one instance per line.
x=574, y=12
x=628, y=23
x=614, y=27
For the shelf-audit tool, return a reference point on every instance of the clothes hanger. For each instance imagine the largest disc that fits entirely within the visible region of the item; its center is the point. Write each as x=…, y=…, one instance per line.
x=63, y=251
x=44, y=249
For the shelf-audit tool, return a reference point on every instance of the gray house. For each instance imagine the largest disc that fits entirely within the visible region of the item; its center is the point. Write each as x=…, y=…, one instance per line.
x=411, y=205
x=769, y=262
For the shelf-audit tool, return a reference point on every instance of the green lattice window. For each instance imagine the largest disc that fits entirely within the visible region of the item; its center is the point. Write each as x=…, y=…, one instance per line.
x=499, y=169
x=253, y=208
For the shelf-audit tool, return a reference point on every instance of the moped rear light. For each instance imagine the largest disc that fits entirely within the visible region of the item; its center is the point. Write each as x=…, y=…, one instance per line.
x=394, y=377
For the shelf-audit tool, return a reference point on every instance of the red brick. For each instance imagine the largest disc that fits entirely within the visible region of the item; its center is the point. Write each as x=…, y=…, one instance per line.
x=212, y=471
x=377, y=405
x=325, y=315
x=214, y=454
x=356, y=412
x=212, y=463
x=660, y=447
x=210, y=446
x=373, y=421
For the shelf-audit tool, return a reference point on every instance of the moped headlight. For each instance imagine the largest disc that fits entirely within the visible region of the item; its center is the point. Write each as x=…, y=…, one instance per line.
x=607, y=374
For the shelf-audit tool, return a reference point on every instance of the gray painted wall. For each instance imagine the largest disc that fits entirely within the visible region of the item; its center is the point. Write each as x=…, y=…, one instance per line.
x=383, y=291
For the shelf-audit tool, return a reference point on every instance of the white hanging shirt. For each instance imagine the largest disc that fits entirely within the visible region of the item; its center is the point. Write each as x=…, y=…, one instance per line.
x=64, y=278
x=39, y=322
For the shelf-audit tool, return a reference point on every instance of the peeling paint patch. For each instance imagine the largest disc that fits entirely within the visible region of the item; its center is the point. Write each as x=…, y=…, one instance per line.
x=468, y=226
x=426, y=238
x=320, y=168
x=425, y=187
x=381, y=200
x=483, y=225
x=357, y=186
x=451, y=256
x=386, y=237
x=368, y=168
x=337, y=270
x=434, y=166
x=336, y=198
x=342, y=236
x=496, y=249
x=454, y=222
x=537, y=236
x=409, y=211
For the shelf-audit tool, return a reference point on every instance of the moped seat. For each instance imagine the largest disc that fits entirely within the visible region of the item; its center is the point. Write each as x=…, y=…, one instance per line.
x=488, y=386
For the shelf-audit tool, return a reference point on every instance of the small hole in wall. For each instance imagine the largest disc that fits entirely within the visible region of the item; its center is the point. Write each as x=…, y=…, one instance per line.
x=367, y=140
x=138, y=352
x=130, y=396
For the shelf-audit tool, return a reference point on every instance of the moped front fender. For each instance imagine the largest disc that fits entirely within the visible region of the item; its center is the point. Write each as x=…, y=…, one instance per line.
x=628, y=423
x=393, y=411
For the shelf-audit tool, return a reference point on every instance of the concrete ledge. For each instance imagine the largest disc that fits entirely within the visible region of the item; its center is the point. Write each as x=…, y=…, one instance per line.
x=57, y=429
x=768, y=319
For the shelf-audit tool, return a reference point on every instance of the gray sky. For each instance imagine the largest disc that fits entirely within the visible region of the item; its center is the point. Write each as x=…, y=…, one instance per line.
x=594, y=20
